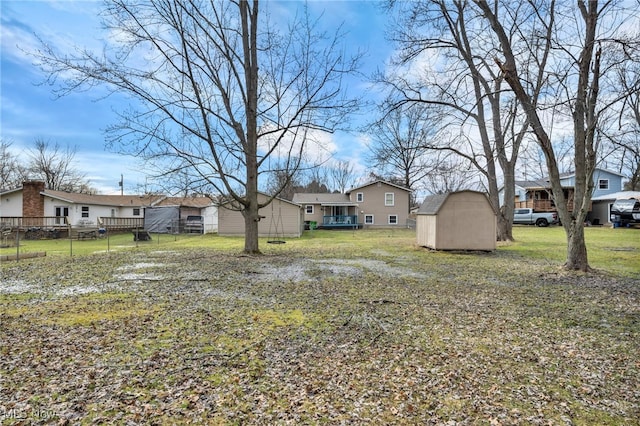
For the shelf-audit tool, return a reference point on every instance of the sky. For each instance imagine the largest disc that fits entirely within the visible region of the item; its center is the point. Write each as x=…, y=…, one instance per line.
x=29, y=111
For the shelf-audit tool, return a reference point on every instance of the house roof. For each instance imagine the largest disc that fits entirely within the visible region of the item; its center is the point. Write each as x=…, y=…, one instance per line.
x=432, y=203
x=103, y=200
x=530, y=184
x=10, y=191
x=197, y=202
x=572, y=173
x=618, y=196
x=378, y=181
x=322, y=198
x=293, y=203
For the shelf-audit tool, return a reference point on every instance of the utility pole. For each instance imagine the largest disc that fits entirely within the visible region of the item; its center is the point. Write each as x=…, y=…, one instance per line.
x=121, y=183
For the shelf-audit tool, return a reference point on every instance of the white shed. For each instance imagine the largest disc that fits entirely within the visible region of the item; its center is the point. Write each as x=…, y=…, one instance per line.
x=462, y=220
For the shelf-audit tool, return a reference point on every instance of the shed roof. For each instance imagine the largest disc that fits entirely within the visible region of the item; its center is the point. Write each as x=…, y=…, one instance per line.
x=432, y=203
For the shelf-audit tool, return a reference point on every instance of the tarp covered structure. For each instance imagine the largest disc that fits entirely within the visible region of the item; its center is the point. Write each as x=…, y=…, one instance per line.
x=162, y=220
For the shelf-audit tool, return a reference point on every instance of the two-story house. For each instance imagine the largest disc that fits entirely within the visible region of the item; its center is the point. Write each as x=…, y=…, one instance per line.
x=537, y=194
x=376, y=204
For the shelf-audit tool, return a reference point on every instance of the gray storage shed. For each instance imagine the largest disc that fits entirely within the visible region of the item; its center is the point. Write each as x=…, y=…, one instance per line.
x=162, y=220
x=462, y=220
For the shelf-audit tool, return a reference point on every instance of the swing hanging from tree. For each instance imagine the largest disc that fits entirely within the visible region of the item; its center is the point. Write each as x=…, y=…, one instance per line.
x=277, y=237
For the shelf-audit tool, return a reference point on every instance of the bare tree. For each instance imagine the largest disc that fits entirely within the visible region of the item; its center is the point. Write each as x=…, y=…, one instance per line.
x=400, y=143
x=221, y=90
x=479, y=121
x=55, y=166
x=453, y=173
x=342, y=175
x=578, y=73
x=12, y=172
x=283, y=182
x=626, y=141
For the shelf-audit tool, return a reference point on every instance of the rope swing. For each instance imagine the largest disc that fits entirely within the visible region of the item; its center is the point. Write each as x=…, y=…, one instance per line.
x=276, y=224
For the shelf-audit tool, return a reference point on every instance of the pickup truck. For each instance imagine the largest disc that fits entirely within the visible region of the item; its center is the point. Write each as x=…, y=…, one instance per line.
x=529, y=217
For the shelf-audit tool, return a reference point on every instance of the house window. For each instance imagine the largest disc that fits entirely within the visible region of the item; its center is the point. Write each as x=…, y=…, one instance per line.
x=359, y=197
x=308, y=209
x=603, y=184
x=136, y=212
x=393, y=219
x=368, y=219
x=389, y=199
x=85, y=211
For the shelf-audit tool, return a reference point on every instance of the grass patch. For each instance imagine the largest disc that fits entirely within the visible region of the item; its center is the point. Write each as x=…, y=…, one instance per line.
x=334, y=327
x=76, y=311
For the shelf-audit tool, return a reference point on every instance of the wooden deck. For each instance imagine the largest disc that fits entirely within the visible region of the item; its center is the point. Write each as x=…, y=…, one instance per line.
x=542, y=205
x=340, y=222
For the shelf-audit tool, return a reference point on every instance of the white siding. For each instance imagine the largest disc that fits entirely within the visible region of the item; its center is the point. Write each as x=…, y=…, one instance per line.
x=11, y=205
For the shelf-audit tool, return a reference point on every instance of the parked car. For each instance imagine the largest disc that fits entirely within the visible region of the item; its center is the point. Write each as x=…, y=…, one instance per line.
x=529, y=217
x=194, y=224
x=624, y=212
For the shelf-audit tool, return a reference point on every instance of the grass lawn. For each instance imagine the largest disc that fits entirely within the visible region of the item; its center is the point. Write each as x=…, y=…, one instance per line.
x=334, y=327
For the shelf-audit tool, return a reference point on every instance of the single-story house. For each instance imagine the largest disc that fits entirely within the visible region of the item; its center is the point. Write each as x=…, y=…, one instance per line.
x=50, y=208
x=600, y=213
x=462, y=220
x=280, y=219
x=375, y=204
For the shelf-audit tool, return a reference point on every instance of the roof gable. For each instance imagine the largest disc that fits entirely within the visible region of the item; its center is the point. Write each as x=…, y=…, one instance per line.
x=376, y=182
x=320, y=198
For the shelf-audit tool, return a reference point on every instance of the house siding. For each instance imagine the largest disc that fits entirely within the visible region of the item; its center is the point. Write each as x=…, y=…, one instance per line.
x=281, y=219
x=615, y=183
x=11, y=204
x=374, y=204
x=317, y=214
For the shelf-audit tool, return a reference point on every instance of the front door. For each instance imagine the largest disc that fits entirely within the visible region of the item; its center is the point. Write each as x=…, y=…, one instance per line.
x=59, y=213
x=339, y=211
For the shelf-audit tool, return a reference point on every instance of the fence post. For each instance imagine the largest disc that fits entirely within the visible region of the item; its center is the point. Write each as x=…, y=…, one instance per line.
x=70, y=238
x=17, y=243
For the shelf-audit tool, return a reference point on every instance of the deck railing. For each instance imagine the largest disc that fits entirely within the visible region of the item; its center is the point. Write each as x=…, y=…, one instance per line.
x=340, y=221
x=543, y=205
x=34, y=221
x=121, y=223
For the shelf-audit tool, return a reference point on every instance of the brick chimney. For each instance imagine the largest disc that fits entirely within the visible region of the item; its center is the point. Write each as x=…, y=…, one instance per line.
x=32, y=200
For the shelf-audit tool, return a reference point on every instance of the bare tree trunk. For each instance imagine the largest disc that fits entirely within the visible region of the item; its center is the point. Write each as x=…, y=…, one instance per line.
x=505, y=214
x=576, y=247
x=585, y=121
x=251, y=221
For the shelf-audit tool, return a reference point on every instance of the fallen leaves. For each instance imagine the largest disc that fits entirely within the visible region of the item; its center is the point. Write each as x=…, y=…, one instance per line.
x=205, y=337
